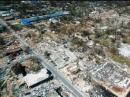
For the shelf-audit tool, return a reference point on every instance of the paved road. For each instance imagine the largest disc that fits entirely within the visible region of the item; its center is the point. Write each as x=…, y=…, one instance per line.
x=49, y=66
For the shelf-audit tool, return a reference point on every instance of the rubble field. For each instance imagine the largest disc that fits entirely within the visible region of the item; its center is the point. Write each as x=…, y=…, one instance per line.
x=65, y=49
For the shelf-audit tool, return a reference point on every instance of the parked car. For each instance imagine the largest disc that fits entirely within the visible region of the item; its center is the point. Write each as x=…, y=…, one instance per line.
x=5, y=14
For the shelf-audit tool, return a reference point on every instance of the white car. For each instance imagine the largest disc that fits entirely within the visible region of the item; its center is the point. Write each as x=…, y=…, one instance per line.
x=5, y=13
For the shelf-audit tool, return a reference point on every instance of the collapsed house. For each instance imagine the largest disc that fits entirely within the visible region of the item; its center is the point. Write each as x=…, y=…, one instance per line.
x=32, y=79
x=113, y=78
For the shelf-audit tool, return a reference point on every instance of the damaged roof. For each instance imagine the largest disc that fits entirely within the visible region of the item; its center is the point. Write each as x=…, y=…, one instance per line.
x=112, y=77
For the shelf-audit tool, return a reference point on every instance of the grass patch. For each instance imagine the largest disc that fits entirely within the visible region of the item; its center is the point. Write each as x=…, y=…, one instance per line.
x=118, y=58
x=126, y=40
x=105, y=42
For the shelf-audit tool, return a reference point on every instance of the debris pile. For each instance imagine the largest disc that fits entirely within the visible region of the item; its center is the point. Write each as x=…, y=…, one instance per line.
x=64, y=49
x=124, y=50
x=112, y=77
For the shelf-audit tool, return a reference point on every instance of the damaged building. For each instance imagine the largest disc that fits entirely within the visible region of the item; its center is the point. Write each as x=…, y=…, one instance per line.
x=113, y=78
x=64, y=49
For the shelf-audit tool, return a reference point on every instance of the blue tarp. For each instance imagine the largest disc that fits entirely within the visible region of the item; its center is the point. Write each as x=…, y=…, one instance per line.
x=25, y=22
x=33, y=19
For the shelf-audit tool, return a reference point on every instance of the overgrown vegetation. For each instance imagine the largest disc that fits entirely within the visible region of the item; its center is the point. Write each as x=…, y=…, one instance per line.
x=77, y=42
x=118, y=58
x=105, y=42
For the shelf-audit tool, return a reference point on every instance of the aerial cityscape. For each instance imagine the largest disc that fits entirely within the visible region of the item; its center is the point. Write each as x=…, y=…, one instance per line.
x=64, y=48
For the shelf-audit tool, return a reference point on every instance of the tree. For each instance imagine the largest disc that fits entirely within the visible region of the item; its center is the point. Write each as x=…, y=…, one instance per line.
x=2, y=42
